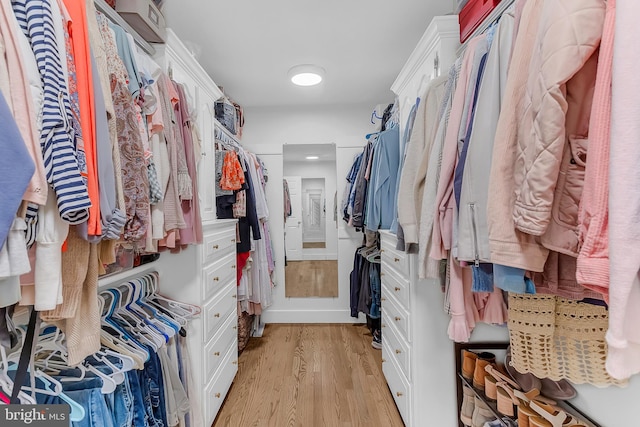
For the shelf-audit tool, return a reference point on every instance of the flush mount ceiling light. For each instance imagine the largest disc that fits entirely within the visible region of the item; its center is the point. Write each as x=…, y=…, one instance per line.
x=306, y=75
x=312, y=157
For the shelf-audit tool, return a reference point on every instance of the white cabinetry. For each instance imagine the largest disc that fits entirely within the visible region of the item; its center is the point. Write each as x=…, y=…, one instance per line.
x=204, y=275
x=417, y=355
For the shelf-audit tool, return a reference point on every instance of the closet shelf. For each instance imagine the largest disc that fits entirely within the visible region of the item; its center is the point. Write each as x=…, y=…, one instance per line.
x=493, y=407
x=110, y=13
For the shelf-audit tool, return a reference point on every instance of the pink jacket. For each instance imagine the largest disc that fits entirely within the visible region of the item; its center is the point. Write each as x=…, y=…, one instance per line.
x=623, y=336
x=551, y=155
x=443, y=218
x=593, y=259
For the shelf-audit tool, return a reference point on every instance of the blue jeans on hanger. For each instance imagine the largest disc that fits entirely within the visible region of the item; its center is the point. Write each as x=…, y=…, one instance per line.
x=96, y=411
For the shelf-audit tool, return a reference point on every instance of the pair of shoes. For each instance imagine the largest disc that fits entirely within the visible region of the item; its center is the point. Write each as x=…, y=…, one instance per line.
x=468, y=405
x=377, y=339
x=557, y=390
x=473, y=365
x=481, y=413
x=484, y=359
x=550, y=416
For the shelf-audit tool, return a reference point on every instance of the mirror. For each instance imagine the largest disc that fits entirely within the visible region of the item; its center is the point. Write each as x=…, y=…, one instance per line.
x=311, y=227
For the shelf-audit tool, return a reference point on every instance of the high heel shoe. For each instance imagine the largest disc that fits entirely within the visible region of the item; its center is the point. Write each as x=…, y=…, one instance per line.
x=506, y=398
x=492, y=377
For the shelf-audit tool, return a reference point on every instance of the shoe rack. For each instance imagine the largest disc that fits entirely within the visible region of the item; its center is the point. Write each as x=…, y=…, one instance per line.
x=461, y=381
x=504, y=420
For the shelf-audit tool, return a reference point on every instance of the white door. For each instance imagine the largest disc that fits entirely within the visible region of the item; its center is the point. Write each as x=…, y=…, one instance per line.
x=293, y=226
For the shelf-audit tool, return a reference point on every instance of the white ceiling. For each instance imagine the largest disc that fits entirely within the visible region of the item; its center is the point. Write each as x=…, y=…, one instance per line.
x=248, y=46
x=298, y=152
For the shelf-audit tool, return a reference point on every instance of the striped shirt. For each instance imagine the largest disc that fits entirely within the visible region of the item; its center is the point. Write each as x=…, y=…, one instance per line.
x=57, y=137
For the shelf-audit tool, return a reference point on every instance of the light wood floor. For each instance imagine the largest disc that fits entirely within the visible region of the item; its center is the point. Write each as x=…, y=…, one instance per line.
x=311, y=376
x=314, y=245
x=311, y=279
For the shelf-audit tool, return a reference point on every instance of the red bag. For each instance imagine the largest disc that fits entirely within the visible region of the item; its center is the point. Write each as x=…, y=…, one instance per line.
x=472, y=15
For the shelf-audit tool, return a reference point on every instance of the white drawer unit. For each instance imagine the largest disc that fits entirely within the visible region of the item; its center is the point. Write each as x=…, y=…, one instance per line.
x=213, y=337
x=218, y=274
x=216, y=390
x=394, y=284
x=218, y=309
x=398, y=385
x=397, y=316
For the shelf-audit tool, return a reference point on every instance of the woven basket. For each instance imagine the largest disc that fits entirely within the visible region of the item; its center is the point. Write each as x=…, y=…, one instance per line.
x=557, y=338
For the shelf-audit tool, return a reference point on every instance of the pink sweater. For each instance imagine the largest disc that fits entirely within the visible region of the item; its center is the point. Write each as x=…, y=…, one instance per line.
x=623, y=337
x=593, y=261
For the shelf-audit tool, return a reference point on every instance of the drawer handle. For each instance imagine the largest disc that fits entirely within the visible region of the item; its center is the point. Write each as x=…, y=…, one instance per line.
x=398, y=351
x=216, y=279
x=217, y=354
x=215, y=246
x=234, y=296
x=382, y=274
x=397, y=289
x=398, y=319
x=235, y=362
x=399, y=394
x=235, y=327
x=384, y=326
x=384, y=360
x=233, y=240
x=382, y=251
x=216, y=315
x=396, y=260
x=383, y=299
x=218, y=395
x=233, y=266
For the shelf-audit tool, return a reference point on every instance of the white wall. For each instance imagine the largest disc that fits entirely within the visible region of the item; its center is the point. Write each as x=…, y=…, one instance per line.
x=327, y=170
x=265, y=133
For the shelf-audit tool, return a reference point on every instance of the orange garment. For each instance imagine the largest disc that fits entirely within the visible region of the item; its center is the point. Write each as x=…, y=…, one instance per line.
x=78, y=33
x=232, y=173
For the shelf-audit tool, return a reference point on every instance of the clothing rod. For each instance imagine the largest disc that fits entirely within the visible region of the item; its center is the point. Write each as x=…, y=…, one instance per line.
x=484, y=25
x=110, y=13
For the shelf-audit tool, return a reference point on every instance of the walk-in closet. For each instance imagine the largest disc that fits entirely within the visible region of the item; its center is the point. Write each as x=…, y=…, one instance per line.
x=234, y=214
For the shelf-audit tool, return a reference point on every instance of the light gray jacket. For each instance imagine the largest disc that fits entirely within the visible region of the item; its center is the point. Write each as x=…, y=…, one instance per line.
x=473, y=235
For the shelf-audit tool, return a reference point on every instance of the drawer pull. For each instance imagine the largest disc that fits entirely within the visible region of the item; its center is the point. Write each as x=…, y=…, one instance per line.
x=215, y=246
x=384, y=360
x=216, y=279
x=233, y=240
x=235, y=362
x=384, y=326
x=399, y=394
x=382, y=251
x=381, y=274
x=398, y=351
x=218, y=395
x=398, y=319
x=233, y=266
x=217, y=354
x=235, y=327
x=234, y=296
x=383, y=299
x=216, y=315
x=396, y=260
x=397, y=289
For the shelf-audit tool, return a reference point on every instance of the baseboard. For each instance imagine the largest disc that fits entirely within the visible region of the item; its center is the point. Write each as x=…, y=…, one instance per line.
x=309, y=316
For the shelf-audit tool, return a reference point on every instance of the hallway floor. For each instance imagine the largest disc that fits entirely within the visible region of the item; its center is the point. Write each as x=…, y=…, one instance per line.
x=311, y=279
x=310, y=375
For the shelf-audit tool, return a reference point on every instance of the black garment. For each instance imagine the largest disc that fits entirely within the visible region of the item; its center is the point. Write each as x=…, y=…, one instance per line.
x=354, y=282
x=360, y=198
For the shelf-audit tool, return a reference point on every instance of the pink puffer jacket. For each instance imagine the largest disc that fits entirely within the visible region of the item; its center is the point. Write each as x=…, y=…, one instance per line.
x=551, y=155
